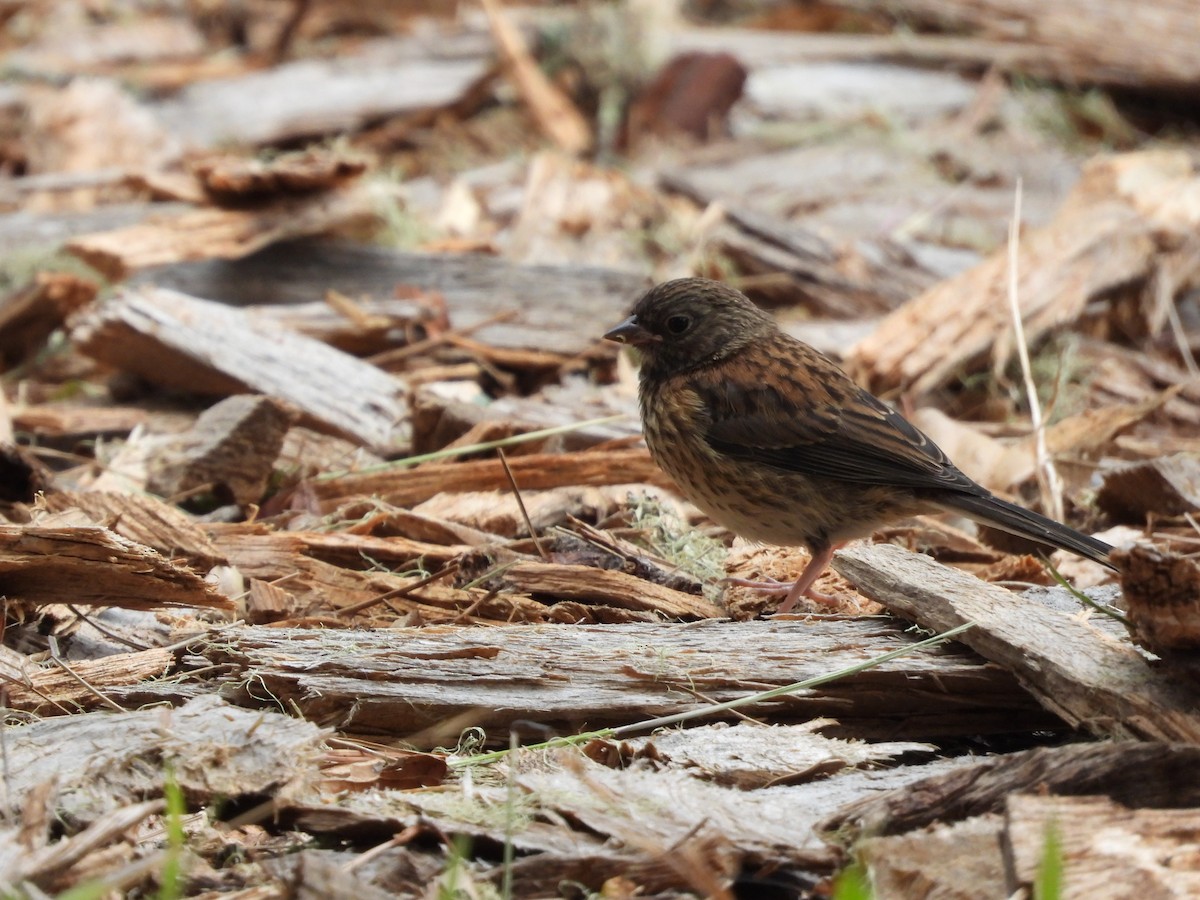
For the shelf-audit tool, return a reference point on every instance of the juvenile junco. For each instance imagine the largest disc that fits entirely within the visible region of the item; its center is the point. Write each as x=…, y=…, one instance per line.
x=775, y=442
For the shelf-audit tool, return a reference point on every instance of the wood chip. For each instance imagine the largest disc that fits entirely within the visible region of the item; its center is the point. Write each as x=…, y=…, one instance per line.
x=748, y=756
x=1163, y=487
x=1162, y=599
x=28, y=316
x=200, y=346
x=141, y=518
x=408, y=680
x=237, y=177
x=91, y=565
x=229, y=451
x=384, y=77
x=607, y=586
x=1134, y=773
x=52, y=689
x=561, y=309
x=219, y=752
x=959, y=861
x=550, y=106
x=541, y=471
x=222, y=233
x=1079, y=672
x=1080, y=41
x=1107, y=235
x=1109, y=851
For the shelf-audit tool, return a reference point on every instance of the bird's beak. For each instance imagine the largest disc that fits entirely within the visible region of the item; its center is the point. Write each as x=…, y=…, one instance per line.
x=630, y=332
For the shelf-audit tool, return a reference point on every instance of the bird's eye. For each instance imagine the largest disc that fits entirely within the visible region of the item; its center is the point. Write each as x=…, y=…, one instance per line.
x=678, y=324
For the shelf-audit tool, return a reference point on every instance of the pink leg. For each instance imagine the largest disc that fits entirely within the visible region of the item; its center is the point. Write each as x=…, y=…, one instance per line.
x=803, y=586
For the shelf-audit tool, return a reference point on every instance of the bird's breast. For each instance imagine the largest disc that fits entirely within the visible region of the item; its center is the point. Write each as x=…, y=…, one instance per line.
x=750, y=500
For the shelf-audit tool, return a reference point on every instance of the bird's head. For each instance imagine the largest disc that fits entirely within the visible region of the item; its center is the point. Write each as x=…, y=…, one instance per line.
x=688, y=323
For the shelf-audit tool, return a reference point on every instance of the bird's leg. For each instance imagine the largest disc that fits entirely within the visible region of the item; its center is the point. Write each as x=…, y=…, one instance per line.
x=821, y=557
x=802, y=587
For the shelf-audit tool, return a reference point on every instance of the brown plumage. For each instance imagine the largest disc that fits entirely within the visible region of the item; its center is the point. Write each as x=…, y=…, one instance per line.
x=775, y=442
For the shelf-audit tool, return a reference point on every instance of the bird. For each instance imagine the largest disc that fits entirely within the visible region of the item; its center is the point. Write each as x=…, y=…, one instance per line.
x=775, y=442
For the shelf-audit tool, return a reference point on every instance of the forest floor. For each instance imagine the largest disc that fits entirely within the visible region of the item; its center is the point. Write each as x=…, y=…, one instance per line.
x=333, y=562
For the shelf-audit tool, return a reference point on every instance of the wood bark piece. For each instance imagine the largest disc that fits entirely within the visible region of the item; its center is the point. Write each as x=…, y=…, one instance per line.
x=867, y=276
x=1166, y=486
x=1127, y=43
x=1109, y=852
x=103, y=761
x=200, y=346
x=689, y=822
x=66, y=422
x=1162, y=600
x=377, y=326
x=1135, y=773
x=51, y=689
x=961, y=861
x=749, y=756
x=350, y=580
x=50, y=866
x=238, y=178
x=314, y=873
x=252, y=546
x=609, y=587
x=222, y=233
x=33, y=234
x=1008, y=38
x=1108, y=235
x=29, y=315
x=761, y=48
x=90, y=124
x=1087, y=677
x=303, y=99
x=563, y=309
x=656, y=835
x=498, y=513
x=439, y=680
x=91, y=565
x=229, y=451
x=441, y=417
x=141, y=518
x=540, y=471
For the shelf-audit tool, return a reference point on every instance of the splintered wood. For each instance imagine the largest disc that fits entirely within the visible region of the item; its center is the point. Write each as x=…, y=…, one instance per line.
x=220, y=233
x=1125, y=809
x=1107, y=848
x=405, y=682
x=1076, y=670
x=28, y=316
x=92, y=565
x=61, y=687
x=324, y=502
x=1108, y=237
x=141, y=518
x=198, y=345
x=1162, y=597
x=410, y=486
x=1141, y=45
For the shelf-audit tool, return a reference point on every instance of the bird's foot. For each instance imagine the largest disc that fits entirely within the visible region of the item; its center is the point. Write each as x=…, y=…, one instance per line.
x=767, y=586
x=773, y=588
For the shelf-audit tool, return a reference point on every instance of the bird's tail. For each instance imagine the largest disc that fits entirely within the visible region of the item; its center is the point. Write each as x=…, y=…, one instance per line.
x=991, y=510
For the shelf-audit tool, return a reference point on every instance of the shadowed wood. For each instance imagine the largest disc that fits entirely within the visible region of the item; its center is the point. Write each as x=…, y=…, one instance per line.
x=1077, y=671
x=443, y=678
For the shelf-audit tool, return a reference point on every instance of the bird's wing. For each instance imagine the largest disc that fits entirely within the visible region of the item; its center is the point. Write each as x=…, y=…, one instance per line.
x=813, y=419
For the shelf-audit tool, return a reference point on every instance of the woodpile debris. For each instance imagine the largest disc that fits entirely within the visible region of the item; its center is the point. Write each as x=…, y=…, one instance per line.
x=332, y=562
